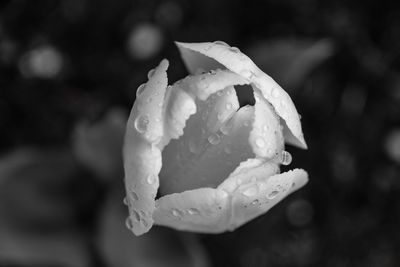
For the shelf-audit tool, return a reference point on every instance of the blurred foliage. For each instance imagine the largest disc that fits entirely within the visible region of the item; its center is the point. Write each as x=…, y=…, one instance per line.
x=68, y=75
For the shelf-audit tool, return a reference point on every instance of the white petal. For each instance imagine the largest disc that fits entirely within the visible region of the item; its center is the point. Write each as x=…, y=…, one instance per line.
x=178, y=107
x=142, y=158
x=266, y=136
x=203, y=85
x=205, y=154
x=203, y=210
x=239, y=63
x=259, y=192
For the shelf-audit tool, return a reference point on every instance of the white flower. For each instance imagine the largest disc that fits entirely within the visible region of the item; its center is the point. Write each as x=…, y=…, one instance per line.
x=218, y=165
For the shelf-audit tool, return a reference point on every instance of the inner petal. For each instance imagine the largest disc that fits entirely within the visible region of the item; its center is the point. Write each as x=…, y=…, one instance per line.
x=214, y=142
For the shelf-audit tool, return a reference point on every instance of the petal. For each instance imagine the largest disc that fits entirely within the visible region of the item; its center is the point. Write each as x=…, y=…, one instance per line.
x=208, y=210
x=258, y=192
x=201, y=55
x=178, y=107
x=203, y=85
x=266, y=136
x=142, y=158
x=203, y=210
x=214, y=142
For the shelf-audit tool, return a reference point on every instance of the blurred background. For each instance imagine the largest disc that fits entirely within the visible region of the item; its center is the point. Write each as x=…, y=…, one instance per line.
x=68, y=75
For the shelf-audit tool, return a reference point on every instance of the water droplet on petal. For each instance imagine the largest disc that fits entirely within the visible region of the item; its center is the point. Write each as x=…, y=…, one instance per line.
x=151, y=179
x=125, y=201
x=193, y=211
x=220, y=93
x=286, y=158
x=221, y=43
x=141, y=123
x=150, y=73
x=249, y=192
x=234, y=49
x=219, y=116
x=193, y=148
x=128, y=223
x=275, y=92
x=140, y=89
x=255, y=202
x=273, y=194
x=144, y=222
x=176, y=213
x=134, y=196
x=214, y=139
x=260, y=142
x=228, y=106
x=135, y=215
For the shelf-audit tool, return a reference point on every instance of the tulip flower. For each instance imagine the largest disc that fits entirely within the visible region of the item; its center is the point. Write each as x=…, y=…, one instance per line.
x=215, y=165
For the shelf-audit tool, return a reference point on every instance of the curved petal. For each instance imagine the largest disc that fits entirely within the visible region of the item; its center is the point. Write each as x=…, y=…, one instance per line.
x=208, y=210
x=258, y=191
x=203, y=85
x=142, y=158
x=210, y=55
x=178, y=107
x=209, y=150
x=266, y=136
x=203, y=210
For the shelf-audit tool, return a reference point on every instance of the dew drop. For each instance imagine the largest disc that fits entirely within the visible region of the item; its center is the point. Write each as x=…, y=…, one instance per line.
x=286, y=158
x=151, y=179
x=140, y=89
x=275, y=92
x=141, y=123
x=247, y=73
x=128, y=223
x=219, y=116
x=176, y=213
x=221, y=43
x=135, y=215
x=202, y=84
x=134, y=196
x=249, y=192
x=214, y=139
x=228, y=106
x=193, y=211
x=260, y=142
x=273, y=194
x=150, y=73
x=265, y=128
x=246, y=123
x=220, y=93
x=212, y=72
x=125, y=201
x=255, y=202
x=234, y=49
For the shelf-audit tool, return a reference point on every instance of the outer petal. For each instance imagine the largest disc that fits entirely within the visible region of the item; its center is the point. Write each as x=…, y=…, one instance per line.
x=208, y=210
x=211, y=55
x=203, y=210
x=142, y=158
x=261, y=194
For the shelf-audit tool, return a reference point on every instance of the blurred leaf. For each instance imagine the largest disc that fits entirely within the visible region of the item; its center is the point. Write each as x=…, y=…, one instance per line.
x=289, y=62
x=34, y=249
x=98, y=146
x=161, y=247
x=33, y=187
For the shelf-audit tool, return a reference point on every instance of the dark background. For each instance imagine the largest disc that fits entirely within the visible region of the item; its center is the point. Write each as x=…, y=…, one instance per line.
x=68, y=75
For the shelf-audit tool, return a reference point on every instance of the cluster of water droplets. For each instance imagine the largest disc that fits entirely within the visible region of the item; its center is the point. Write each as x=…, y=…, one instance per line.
x=179, y=213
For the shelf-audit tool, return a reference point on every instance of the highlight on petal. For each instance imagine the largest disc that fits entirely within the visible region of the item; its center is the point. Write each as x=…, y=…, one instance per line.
x=142, y=158
x=209, y=55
